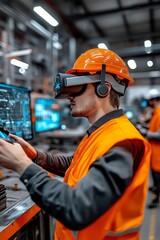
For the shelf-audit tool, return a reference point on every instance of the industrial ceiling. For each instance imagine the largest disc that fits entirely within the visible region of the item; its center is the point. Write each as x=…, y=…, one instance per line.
x=123, y=25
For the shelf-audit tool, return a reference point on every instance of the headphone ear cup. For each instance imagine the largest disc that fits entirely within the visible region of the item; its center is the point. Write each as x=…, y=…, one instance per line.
x=102, y=90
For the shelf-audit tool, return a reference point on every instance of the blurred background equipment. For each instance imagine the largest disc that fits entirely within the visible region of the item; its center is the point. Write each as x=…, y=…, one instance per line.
x=47, y=115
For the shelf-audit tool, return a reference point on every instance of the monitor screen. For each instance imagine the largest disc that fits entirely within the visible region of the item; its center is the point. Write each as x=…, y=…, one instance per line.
x=47, y=115
x=15, y=110
x=144, y=103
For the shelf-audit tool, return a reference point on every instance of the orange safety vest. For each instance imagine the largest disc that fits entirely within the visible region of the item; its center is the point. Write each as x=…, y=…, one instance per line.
x=154, y=126
x=123, y=220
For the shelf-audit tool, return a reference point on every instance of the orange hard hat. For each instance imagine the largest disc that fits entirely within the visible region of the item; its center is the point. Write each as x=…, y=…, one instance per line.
x=91, y=62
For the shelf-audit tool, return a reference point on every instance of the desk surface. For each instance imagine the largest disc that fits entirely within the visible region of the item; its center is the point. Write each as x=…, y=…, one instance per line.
x=20, y=208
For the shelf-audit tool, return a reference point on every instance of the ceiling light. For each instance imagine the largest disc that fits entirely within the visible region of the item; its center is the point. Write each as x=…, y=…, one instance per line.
x=22, y=71
x=147, y=43
x=102, y=45
x=149, y=63
x=46, y=16
x=132, y=64
x=57, y=45
x=148, y=46
x=20, y=64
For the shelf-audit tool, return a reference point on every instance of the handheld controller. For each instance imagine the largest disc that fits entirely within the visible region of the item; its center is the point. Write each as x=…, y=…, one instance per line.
x=4, y=133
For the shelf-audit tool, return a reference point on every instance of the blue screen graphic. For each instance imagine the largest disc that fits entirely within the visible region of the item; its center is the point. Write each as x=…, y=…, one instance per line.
x=15, y=110
x=47, y=115
x=144, y=103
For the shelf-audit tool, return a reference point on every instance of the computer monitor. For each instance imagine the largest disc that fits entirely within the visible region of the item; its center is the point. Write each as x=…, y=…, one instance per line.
x=144, y=103
x=15, y=110
x=47, y=115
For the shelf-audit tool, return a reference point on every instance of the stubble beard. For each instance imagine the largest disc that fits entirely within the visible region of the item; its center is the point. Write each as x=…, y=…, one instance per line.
x=78, y=112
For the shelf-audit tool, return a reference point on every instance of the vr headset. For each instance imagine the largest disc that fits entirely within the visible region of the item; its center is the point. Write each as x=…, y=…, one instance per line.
x=66, y=85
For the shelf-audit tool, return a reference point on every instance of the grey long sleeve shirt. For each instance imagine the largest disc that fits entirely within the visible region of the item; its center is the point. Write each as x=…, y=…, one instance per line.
x=106, y=181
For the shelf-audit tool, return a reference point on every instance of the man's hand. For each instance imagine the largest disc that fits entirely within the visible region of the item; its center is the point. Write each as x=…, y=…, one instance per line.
x=12, y=156
x=29, y=150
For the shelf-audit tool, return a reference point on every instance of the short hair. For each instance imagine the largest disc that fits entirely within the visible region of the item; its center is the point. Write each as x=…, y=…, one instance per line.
x=114, y=98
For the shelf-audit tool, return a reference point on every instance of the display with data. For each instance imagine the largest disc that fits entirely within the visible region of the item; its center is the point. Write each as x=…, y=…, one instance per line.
x=47, y=115
x=15, y=110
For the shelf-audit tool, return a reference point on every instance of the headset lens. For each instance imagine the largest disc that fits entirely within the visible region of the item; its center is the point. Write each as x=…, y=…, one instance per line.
x=57, y=85
x=61, y=88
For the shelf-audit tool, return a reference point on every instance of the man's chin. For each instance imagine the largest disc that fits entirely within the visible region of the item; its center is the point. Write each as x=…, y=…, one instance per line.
x=76, y=114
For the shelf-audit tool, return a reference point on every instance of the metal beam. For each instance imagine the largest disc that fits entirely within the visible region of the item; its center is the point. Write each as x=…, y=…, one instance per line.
x=123, y=38
x=22, y=18
x=146, y=75
x=139, y=51
x=67, y=22
x=97, y=28
x=124, y=19
x=124, y=10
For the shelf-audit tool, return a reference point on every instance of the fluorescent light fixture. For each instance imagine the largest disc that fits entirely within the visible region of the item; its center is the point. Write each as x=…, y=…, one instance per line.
x=149, y=63
x=148, y=46
x=132, y=64
x=102, y=45
x=20, y=64
x=57, y=45
x=147, y=43
x=46, y=16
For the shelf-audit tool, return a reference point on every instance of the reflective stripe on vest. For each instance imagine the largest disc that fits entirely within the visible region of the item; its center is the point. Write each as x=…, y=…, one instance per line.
x=118, y=234
x=113, y=234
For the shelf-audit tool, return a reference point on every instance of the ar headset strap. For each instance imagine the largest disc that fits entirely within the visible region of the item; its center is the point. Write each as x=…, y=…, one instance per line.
x=101, y=89
x=74, y=80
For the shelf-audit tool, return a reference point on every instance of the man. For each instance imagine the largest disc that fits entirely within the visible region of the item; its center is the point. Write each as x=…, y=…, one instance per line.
x=105, y=183
x=153, y=136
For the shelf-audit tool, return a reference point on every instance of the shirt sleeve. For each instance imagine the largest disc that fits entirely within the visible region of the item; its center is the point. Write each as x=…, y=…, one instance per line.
x=155, y=136
x=94, y=194
x=53, y=163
